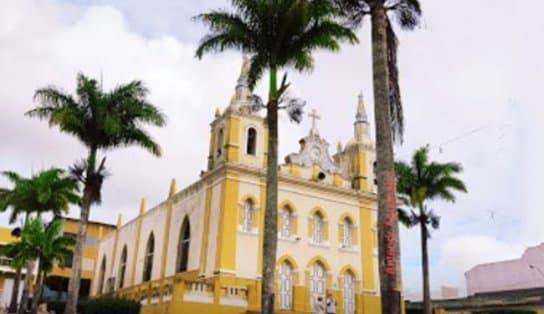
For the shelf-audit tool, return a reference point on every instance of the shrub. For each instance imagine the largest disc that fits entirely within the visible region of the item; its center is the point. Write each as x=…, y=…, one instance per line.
x=112, y=305
x=58, y=306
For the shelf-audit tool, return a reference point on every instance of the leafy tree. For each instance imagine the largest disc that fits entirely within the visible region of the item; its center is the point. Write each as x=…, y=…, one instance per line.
x=47, y=244
x=49, y=191
x=277, y=35
x=101, y=121
x=419, y=182
x=389, y=125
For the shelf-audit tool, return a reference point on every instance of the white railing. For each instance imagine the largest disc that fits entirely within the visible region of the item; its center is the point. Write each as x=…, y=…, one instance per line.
x=200, y=292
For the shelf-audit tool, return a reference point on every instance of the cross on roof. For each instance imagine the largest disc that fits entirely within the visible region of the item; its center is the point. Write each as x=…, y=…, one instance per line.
x=314, y=117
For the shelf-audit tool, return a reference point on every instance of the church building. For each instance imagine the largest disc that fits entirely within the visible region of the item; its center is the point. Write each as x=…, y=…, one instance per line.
x=200, y=250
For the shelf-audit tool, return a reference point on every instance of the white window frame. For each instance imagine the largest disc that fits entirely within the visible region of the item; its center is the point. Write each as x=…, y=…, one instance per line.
x=318, y=222
x=249, y=211
x=286, y=223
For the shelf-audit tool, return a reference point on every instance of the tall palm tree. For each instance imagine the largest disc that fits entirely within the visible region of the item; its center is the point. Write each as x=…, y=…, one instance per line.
x=47, y=244
x=101, y=121
x=277, y=35
x=419, y=182
x=389, y=126
x=49, y=191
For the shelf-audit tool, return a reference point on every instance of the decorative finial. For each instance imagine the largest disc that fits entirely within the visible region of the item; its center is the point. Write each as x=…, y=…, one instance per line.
x=119, y=221
x=142, y=206
x=361, y=117
x=314, y=116
x=339, y=147
x=172, y=191
x=217, y=112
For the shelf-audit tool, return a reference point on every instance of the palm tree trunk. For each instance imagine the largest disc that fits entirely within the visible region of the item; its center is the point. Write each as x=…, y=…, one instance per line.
x=15, y=291
x=388, y=246
x=270, y=216
x=74, y=284
x=26, y=288
x=37, y=292
x=427, y=306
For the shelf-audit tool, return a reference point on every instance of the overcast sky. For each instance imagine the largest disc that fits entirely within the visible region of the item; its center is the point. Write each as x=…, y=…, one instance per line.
x=470, y=79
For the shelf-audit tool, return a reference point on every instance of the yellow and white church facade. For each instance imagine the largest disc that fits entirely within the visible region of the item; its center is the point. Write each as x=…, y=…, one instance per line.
x=200, y=250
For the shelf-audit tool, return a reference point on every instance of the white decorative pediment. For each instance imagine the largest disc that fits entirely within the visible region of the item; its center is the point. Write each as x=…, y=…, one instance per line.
x=313, y=150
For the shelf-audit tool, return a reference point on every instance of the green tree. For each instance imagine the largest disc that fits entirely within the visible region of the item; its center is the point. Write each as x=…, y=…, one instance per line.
x=46, y=244
x=389, y=126
x=419, y=182
x=49, y=191
x=101, y=121
x=277, y=35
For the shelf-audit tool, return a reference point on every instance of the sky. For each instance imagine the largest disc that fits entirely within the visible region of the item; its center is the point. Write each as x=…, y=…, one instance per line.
x=470, y=80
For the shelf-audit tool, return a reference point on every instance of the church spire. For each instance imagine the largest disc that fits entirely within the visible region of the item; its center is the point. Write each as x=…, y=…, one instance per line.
x=361, y=116
x=242, y=86
x=361, y=129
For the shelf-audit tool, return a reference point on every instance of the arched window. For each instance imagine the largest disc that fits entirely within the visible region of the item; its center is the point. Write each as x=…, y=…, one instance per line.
x=347, y=233
x=348, y=293
x=317, y=284
x=101, y=276
x=123, y=267
x=183, y=246
x=249, y=211
x=318, y=227
x=148, y=258
x=286, y=222
x=219, y=144
x=251, y=144
x=286, y=286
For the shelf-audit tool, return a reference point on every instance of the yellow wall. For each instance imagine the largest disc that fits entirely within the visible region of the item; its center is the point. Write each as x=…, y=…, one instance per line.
x=96, y=230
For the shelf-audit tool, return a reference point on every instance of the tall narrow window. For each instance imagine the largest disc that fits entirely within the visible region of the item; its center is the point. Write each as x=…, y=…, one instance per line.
x=123, y=267
x=317, y=284
x=349, y=293
x=148, y=258
x=249, y=211
x=286, y=286
x=318, y=227
x=286, y=222
x=102, y=275
x=347, y=229
x=183, y=246
x=251, y=146
x=219, y=144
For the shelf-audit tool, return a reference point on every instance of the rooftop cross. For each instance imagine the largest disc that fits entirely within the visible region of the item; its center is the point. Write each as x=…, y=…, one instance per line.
x=314, y=117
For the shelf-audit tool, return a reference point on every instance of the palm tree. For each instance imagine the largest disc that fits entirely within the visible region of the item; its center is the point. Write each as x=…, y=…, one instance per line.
x=47, y=244
x=100, y=121
x=419, y=182
x=11, y=253
x=277, y=35
x=49, y=191
x=389, y=126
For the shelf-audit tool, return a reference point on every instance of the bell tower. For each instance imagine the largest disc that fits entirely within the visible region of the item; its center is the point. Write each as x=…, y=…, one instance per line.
x=238, y=134
x=357, y=158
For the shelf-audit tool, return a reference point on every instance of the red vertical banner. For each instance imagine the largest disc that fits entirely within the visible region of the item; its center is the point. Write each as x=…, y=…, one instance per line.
x=390, y=224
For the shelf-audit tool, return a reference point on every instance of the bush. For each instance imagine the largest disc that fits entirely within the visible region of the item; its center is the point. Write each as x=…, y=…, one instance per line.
x=58, y=306
x=112, y=305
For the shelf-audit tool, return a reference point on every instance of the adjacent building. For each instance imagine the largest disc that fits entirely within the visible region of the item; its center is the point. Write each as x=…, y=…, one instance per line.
x=522, y=273
x=57, y=281
x=200, y=249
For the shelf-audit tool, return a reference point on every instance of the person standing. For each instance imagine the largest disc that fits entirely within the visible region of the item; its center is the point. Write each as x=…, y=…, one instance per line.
x=331, y=304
